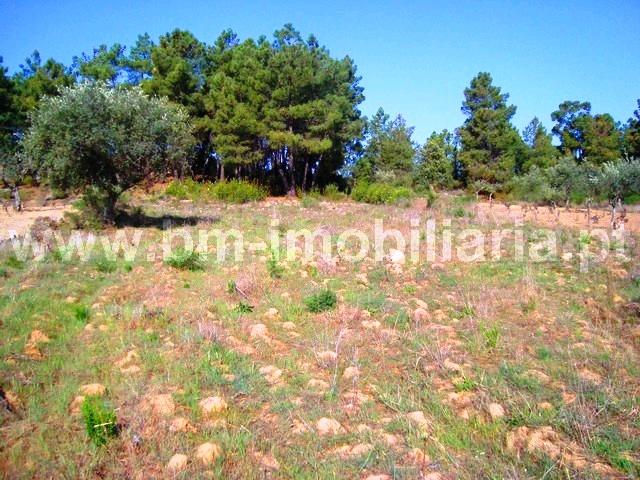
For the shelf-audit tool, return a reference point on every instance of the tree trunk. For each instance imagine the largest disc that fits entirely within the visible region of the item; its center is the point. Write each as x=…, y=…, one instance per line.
x=221, y=178
x=291, y=192
x=304, y=177
x=283, y=177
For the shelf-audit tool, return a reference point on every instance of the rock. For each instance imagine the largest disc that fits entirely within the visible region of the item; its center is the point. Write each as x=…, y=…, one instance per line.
x=259, y=330
x=328, y=357
x=545, y=406
x=162, y=404
x=32, y=351
x=358, y=450
x=93, y=389
x=433, y=476
x=271, y=373
x=212, y=405
x=418, y=419
x=37, y=337
x=380, y=476
x=177, y=463
x=289, y=326
x=496, y=411
x=420, y=315
x=272, y=314
x=371, y=324
x=317, y=384
x=396, y=256
x=267, y=461
x=208, y=453
x=76, y=404
x=181, y=424
x=229, y=377
x=417, y=457
x=103, y=328
x=451, y=366
x=351, y=373
x=329, y=426
x=362, y=279
x=589, y=376
x=390, y=439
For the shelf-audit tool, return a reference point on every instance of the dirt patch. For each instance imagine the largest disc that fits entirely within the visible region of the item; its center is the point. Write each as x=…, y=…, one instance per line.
x=17, y=224
x=552, y=217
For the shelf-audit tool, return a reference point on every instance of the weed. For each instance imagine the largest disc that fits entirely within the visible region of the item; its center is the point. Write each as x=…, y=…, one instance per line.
x=491, y=336
x=231, y=287
x=243, y=307
x=81, y=313
x=100, y=420
x=186, y=260
x=273, y=266
x=104, y=265
x=321, y=301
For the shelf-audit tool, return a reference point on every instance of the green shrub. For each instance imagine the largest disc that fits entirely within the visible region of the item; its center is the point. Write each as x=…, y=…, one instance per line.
x=81, y=313
x=100, y=421
x=186, y=260
x=381, y=193
x=273, y=266
x=104, y=265
x=243, y=307
x=321, y=301
x=331, y=192
x=232, y=191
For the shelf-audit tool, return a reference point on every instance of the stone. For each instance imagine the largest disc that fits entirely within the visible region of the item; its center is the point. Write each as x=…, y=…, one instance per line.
x=208, y=453
x=371, y=324
x=212, y=405
x=289, y=325
x=162, y=404
x=420, y=315
x=496, y=411
x=417, y=457
x=131, y=370
x=259, y=330
x=271, y=373
x=38, y=337
x=329, y=426
x=272, y=314
x=418, y=419
x=178, y=462
x=351, y=373
x=451, y=366
x=267, y=461
x=317, y=384
x=328, y=357
x=180, y=424
x=93, y=389
x=380, y=476
x=76, y=404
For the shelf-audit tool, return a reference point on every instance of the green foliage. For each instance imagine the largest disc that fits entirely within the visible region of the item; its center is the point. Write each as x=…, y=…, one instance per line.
x=232, y=191
x=380, y=193
x=183, y=259
x=273, y=266
x=491, y=147
x=106, y=139
x=243, y=307
x=436, y=162
x=81, y=313
x=321, y=301
x=100, y=420
x=388, y=156
x=105, y=265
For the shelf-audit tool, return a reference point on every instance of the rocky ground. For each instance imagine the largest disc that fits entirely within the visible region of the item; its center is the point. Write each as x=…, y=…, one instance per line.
x=433, y=370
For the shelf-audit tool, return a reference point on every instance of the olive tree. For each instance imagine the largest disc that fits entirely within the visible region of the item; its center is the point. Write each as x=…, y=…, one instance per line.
x=103, y=141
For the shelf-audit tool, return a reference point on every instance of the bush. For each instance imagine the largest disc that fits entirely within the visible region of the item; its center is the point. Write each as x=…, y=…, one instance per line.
x=100, y=421
x=106, y=139
x=232, y=191
x=534, y=187
x=321, y=301
x=186, y=260
x=381, y=193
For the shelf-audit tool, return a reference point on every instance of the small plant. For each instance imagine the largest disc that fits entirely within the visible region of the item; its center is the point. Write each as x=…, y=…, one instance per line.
x=273, y=266
x=186, y=260
x=81, y=313
x=491, y=336
x=13, y=262
x=104, y=265
x=231, y=287
x=465, y=384
x=321, y=301
x=243, y=307
x=459, y=212
x=381, y=193
x=100, y=421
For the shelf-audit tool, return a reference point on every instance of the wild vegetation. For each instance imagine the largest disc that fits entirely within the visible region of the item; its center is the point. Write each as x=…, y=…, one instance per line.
x=176, y=361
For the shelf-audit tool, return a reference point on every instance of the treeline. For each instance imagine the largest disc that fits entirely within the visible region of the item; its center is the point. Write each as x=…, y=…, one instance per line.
x=285, y=114
x=595, y=158
x=282, y=112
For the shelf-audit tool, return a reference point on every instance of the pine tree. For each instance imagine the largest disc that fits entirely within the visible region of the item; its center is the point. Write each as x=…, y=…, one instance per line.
x=491, y=147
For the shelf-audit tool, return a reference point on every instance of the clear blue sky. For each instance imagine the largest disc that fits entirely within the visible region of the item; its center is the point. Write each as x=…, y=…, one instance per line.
x=415, y=57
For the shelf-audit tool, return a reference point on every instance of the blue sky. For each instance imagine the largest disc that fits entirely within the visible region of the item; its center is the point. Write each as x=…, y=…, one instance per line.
x=415, y=57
